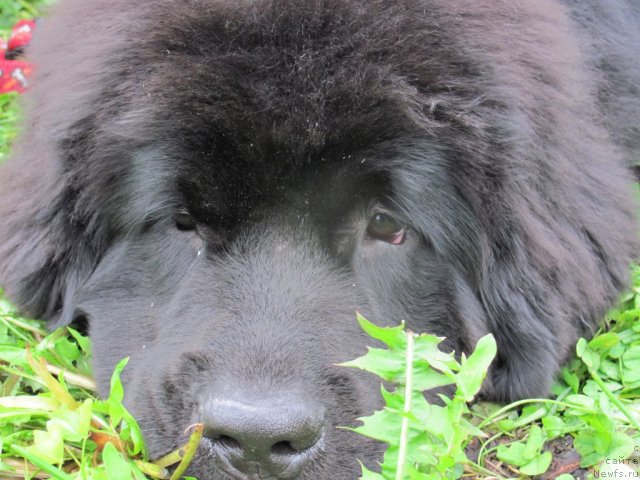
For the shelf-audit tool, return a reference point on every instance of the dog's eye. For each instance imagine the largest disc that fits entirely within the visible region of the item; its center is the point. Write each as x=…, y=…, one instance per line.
x=184, y=221
x=385, y=228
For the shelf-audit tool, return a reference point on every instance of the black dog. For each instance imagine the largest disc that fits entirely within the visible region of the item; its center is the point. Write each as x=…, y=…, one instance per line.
x=215, y=187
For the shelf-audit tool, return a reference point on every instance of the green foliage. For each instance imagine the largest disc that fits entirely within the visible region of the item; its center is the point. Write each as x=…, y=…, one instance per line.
x=9, y=116
x=13, y=10
x=50, y=420
x=425, y=440
x=527, y=455
x=596, y=406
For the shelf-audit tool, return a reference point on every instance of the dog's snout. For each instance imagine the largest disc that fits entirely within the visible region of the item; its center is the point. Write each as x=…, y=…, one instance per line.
x=272, y=436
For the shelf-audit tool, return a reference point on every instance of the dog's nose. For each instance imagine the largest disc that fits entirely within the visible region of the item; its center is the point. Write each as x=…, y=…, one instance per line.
x=274, y=436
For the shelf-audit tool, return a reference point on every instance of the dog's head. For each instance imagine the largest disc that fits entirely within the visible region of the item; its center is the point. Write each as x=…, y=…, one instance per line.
x=217, y=201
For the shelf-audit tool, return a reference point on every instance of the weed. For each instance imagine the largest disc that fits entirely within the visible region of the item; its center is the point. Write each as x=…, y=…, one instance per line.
x=595, y=412
x=52, y=423
x=425, y=441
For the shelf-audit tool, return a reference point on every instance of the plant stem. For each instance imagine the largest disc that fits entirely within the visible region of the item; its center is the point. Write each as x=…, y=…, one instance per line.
x=41, y=464
x=39, y=367
x=616, y=401
x=408, y=393
x=479, y=468
x=73, y=378
x=189, y=450
x=492, y=418
x=23, y=325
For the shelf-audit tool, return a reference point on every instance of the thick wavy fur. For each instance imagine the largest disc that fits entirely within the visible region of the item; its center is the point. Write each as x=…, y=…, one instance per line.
x=215, y=187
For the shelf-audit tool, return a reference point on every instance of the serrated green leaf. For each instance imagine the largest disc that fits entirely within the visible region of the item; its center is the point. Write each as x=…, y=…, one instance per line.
x=438, y=423
x=414, y=474
x=383, y=425
x=471, y=429
x=426, y=349
x=426, y=378
x=67, y=350
x=434, y=435
x=386, y=364
x=393, y=337
x=474, y=369
x=83, y=342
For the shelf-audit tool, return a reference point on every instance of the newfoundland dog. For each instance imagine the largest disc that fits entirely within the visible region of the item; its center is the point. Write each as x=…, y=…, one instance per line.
x=214, y=187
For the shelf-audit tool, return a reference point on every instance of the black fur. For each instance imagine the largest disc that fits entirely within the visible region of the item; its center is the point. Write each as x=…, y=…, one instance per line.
x=499, y=133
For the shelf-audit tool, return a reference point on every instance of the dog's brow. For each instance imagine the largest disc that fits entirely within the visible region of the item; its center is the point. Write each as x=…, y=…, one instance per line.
x=147, y=190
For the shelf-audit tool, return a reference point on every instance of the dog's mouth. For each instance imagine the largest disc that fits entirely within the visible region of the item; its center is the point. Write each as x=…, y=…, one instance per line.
x=283, y=462
x=224, y=458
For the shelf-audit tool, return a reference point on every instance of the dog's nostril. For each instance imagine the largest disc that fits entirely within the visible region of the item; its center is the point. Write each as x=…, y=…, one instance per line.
x=284, y=448
x=275, y=435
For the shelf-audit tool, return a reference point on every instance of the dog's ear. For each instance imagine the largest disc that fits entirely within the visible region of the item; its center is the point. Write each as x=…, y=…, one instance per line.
x=49, y=240
x=548, y=276
x=52, y=231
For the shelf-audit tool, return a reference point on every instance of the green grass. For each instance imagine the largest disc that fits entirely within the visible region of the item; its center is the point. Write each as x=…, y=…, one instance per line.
x=13, y=10
x=9, y=116
x=50, y=419
x=52, y=424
